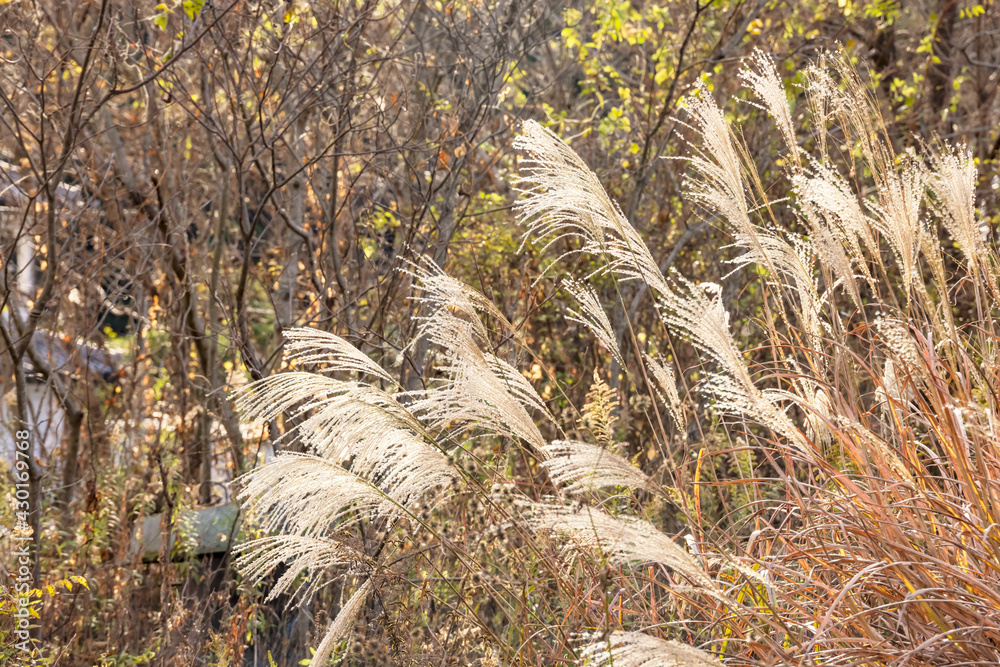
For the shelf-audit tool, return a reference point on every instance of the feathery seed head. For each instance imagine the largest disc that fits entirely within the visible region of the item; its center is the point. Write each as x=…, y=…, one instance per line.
x=952, y=180
x=307, y=345
x=593, y=316
x=623, y=540
x=759, y=74
x=637, y=649
x=341, y=626
x=583, y=467
x=663, y=372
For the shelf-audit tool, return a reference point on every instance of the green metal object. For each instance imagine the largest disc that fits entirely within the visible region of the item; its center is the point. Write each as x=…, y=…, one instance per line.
x=209, y=530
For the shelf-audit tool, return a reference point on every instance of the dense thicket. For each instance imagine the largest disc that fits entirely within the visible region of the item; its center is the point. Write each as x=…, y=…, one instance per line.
x=183, y=184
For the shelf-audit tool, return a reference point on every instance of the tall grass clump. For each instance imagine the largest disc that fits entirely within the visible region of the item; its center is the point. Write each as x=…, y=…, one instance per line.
x=463, y=522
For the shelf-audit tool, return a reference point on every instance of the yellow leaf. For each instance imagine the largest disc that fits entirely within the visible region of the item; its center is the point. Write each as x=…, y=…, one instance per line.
x=80, y=580
x=51, y=590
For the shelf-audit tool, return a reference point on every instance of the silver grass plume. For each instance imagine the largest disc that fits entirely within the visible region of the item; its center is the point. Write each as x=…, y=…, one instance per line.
x=717, y=181
x=718, y=176
x=593, y=316
x=952, y=179
x=631, y=260
x=623, y=540
x=516, y=384
x=567, y=199
x=477, y=390
x=471, y=395
x=896, y=337
x=358, y=420
x=346, y=405
x=719, y=184
x=342, y=625
x=819, y=411
x=442, y=292
x=827, y=193
x=383, y=445
x=898, y=182
x=663, y=372
x=897, y=216
x=831, y=252
x=579, y=466
x=637, y=649
x=759, y=74
x=344, y=421
x=302, y=553
x=699, y=312
x=303, y=494
x=308, y=500
x=889, y=387
x=307, y=345
x=263, y=400
x=563, y=198
x=792, y=260
x=824, y=99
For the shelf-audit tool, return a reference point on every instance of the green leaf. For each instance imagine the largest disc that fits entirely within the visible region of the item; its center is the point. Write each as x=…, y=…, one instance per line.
x=193, y=8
